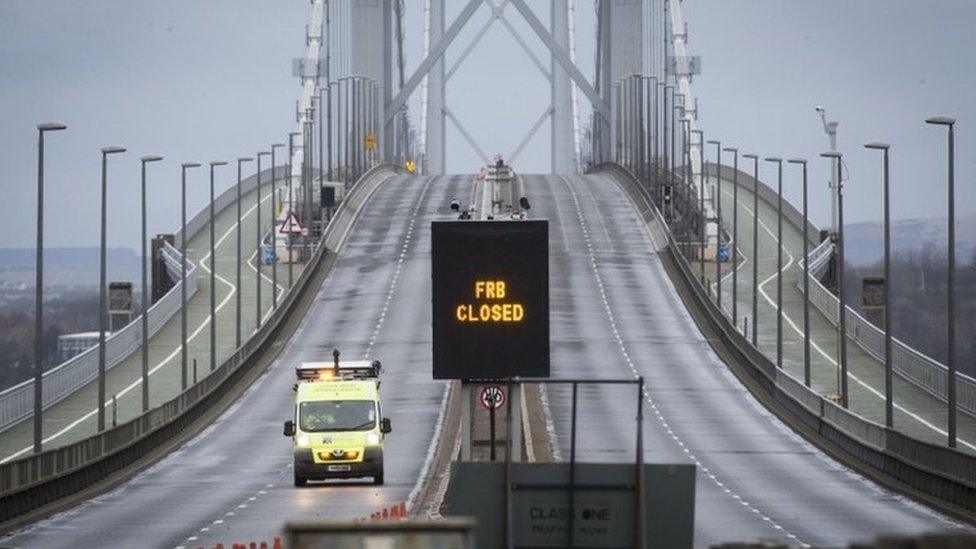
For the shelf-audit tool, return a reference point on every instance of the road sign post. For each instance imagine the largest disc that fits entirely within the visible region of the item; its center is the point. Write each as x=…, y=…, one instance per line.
x=492, y=397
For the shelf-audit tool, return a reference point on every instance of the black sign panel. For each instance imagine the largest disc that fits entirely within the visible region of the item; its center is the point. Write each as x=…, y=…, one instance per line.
x=490, y=299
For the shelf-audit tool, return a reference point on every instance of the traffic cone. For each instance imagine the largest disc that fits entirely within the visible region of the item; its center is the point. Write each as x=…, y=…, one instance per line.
x=403, y=510
x=277, y=543
x=386, y=514
x=264, y=545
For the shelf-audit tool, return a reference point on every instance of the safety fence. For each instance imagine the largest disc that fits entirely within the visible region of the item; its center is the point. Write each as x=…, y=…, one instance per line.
x=942, y=473
x=31, y=482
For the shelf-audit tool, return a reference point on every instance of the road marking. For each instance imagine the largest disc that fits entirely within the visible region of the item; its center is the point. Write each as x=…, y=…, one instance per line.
x=171, y=356
x=626, y=355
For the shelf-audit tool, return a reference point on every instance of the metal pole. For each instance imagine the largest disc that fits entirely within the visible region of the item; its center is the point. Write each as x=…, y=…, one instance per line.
x=951, y=279
x=572, y=468
x=806, y=276
x=718, y=225
x=639, y=464
x=103, y=289
x=842, y=305
x=889, y=397
x=701, y=206
x=274, y=227
x=779, y=260
x=183, y=351
x=39, y=289
x=213, y=274
x=735, y=235
x=755, y=247
x=291, y=206
x=145, y=291
x=238, y=291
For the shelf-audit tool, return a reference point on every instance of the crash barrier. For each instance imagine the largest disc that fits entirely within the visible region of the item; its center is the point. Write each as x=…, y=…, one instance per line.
x=429, y=534
x=31, y=482
x=942, y=474
x=17, y=402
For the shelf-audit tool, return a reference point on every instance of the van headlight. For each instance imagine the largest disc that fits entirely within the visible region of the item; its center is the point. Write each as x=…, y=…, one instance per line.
x=303, y=440
x=372, y=439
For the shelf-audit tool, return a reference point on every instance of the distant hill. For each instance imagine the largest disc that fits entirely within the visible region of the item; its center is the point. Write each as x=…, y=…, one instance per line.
x=70, y=267
x=865, y=240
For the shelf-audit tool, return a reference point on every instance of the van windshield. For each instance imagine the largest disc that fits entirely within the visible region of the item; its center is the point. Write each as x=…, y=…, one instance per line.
x=337, y=415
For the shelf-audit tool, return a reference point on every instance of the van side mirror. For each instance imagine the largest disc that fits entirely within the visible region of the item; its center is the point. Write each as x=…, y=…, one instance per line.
x=386, y=426
x=289, y=430
x=524, y=203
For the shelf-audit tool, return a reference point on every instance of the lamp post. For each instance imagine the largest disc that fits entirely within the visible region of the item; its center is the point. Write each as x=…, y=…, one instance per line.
x=685, y=205
x=755, y=247
x=806, y=275
x=237, y=294
x=103, y=290
x=274, y=228
x=951, y=281
x=258, y=259
x=39, y=287
x=889, y=398
x=145, y=290
x=838, y=159
x=718, y=215
x=183, y=351
x=735, y=234
x=291, y=205
x=213, y=273
x=779, y=260
x=701, y=203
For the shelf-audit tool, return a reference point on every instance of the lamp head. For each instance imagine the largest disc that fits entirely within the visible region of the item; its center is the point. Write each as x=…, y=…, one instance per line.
x=831, y=154
x=877, y=145
x=797, y=160
x=51, y=126
x=217, y=163
x=750, y=155
x=940, y=120
x=730, y=150
x=150, y=158
x=113, y=150
x=190, y=165
x=244, y=159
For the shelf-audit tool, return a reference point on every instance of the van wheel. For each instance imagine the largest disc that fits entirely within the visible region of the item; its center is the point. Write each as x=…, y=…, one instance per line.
x=300, y=481
x=378, y=478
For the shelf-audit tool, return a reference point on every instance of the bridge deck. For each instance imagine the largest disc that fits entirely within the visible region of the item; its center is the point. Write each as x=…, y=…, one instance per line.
x=75, y=417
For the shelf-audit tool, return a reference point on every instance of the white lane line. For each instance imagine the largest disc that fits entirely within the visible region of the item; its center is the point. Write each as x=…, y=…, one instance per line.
x=626, y=355
x=168, y=358
x=819, y=349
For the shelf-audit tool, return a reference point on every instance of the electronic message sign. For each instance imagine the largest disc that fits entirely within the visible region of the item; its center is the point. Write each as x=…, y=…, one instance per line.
x=490, y=299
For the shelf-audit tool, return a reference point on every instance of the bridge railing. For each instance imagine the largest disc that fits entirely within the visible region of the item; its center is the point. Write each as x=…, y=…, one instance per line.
x=945, y=474
x=36, y=480
x=17, y=402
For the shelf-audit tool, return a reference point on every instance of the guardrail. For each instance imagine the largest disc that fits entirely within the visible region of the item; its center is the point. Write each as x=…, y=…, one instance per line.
x=917, y=368
x=17, y=402
x=34, y=481
x=941, y=474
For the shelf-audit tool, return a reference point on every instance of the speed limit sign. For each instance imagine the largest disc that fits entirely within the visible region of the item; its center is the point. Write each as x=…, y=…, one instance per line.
x=492, y=397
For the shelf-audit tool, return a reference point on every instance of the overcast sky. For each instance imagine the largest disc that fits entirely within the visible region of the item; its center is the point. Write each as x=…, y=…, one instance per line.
x=212, y=80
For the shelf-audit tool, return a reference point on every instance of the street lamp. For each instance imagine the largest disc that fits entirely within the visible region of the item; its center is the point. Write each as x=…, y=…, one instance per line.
x=735, y=234
x=145, y=301
x=779, y=260
x=103, y=290
x=951, y=287
x=755, y=248
x=889, y=403
x=39, y=286
x=258, y=259
x=183, y=350
x=806, y=276
x=718, y=214
x=838, y=159
x=274, y=227
x=213, y=273
x=701, y=202
x=238, y=274
x=291, y=205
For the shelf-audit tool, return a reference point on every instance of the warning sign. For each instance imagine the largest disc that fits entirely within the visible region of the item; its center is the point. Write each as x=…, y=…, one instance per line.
x=492, y=397
x=370, y=141
x=290, y=225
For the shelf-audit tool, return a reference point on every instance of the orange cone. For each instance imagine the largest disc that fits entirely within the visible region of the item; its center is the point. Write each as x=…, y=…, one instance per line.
x=264, y=545
x=277, y=543
x=403, y=510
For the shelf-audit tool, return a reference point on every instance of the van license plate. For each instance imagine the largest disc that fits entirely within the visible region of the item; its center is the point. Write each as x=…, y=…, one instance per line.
x=339, y=468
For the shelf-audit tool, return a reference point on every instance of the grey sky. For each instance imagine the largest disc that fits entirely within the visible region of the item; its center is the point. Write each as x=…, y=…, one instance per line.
x=211, y=80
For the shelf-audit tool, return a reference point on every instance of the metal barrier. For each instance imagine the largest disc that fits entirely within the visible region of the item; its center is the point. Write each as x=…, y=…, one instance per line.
x=34, y=481
x=945, y=474
x=17, y=402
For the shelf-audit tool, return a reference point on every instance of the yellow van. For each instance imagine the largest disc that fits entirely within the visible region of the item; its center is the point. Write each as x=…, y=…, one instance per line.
x=338, y=426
